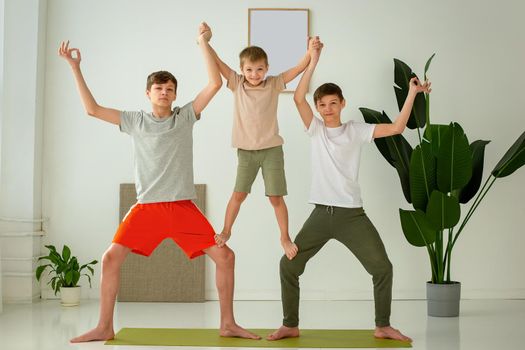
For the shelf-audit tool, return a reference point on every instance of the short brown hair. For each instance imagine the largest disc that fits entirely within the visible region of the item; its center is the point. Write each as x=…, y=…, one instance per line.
x=328, y=89
x=160, y=77
x=252, y=54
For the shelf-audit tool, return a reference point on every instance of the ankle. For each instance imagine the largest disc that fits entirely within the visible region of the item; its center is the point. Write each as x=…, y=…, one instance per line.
x=228, y=324
x=105, y=327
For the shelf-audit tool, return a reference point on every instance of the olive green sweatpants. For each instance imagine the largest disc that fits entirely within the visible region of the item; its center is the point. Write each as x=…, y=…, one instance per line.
x=351, y=227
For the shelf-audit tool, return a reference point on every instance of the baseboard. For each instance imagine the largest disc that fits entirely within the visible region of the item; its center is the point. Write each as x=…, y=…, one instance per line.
x=211, y=294
x=419, y=294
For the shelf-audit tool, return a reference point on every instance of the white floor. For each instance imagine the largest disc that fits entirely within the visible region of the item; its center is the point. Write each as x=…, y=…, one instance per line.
x=483, y=324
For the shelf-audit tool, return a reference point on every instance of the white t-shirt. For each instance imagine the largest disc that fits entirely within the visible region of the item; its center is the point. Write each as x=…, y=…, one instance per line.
x=336, y=153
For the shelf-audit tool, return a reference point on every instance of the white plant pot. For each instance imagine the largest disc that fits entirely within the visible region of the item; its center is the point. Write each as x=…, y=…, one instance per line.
x=70, y=296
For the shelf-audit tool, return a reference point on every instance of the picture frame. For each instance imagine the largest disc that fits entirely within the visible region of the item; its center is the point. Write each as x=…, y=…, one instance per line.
x=283, y=34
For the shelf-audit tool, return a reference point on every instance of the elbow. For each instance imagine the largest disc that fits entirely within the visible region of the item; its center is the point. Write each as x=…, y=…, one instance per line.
x=91, y=112
x=298, y=99
x=399, y=129
x=216, y=85
x=91, y=109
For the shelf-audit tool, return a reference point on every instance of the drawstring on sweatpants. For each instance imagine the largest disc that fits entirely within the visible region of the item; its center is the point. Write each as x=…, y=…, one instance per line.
x=330, y=210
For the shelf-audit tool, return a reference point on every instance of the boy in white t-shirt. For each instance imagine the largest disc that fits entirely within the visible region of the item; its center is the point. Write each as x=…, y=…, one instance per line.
x=338, y=213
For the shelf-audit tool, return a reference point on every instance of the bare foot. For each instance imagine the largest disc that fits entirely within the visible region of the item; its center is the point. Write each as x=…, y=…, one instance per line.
x=284, y=332
x=236, y=331
x=290, y=249
x=94, y=335
x=390, y=333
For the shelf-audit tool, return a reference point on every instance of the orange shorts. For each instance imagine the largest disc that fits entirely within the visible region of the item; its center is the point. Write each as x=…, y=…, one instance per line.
x=146, y=225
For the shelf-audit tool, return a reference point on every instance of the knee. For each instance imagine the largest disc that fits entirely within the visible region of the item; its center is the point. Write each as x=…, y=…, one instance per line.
x=288, y=267
x=276, y=200
x=109, y=260
x=384, y=269
x=227, y=258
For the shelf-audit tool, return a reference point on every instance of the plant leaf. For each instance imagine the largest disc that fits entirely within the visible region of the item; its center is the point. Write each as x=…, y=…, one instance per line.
x=374, y=117
x=434, y=135
x=68, y=278
x=395, y=149
x=512, y=160
x=89, y=279
x=39, y=271
x=454, y=162
x=66, y=253
x=478, y=157
x=417, y=229
x=402, y=75
x=75, y=278
x=427, y=65
x=61, y=268
x=422, y=175
x=51, y=248
x=443, y=211
x=57, y=286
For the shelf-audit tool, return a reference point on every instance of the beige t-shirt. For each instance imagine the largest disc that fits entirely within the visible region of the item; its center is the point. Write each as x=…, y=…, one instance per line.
x=255, y=112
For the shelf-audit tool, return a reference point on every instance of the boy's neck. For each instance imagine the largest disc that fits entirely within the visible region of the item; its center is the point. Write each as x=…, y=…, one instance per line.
x=334, y=123
x=251, y=85
x=161, y=112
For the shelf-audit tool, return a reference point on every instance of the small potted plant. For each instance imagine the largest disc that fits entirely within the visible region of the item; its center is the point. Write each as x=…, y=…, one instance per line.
x=66, y=272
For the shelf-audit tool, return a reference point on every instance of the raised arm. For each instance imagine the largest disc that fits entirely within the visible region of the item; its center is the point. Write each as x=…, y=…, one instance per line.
x=305, y=111
x=90, y=104
x=398, y=126
x=223, y=67
x=214, y=77
x=293, y=72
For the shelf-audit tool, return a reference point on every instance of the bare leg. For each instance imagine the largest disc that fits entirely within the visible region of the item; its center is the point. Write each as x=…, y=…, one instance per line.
x=284, y=332
x=281, y=213
x=109, y=283
x=390, y=333
x=232, y=210
x=224, y=259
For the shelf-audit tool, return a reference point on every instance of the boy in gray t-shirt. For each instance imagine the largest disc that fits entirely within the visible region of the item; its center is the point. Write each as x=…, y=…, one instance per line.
x=162, y=144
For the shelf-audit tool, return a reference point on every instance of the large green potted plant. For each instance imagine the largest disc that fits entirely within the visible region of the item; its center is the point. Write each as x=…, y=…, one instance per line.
x=65, y=273
x=443, y=172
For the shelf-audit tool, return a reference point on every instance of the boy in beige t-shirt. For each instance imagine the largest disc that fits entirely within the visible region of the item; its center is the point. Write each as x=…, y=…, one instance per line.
x=256, y=136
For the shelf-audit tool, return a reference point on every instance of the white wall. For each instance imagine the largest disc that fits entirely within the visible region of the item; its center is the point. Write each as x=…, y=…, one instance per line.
x=2, y=4
x=477, y=80
x=22, y=111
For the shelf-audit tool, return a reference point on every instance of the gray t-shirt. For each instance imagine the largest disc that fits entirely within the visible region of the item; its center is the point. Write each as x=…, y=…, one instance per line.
x=163, y=154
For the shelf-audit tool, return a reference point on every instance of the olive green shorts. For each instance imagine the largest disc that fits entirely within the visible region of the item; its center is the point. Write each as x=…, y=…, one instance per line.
x=271, y=160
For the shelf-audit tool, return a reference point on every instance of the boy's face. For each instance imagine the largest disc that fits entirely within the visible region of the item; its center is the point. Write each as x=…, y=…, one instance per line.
x=162, y=95
x=254, y=72
x=330, y=107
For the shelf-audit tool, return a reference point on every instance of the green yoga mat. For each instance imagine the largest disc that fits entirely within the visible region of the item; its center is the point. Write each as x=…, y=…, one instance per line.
x=310, y=338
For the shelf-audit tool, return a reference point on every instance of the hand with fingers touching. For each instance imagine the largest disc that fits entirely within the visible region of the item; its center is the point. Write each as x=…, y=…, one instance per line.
x=222, y=238
x=71, y=55
x=205, y=33
x=314, y=48
x=416, y=86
